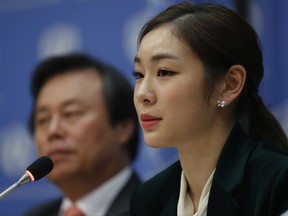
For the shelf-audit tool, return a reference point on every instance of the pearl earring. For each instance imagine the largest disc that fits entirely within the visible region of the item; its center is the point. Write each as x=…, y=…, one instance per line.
x=221, y=103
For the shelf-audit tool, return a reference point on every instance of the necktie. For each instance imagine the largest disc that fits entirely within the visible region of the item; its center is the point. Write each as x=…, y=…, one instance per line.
x=73, y=211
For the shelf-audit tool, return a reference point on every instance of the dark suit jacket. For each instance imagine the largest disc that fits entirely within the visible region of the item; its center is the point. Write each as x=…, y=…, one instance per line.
x=119, y=207
x=251, y=178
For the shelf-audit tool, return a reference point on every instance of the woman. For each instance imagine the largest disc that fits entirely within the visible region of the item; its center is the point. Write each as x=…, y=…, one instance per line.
x=197, y=70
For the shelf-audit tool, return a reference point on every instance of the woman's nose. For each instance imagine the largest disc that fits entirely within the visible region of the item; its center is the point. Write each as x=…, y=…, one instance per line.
x=145, y=92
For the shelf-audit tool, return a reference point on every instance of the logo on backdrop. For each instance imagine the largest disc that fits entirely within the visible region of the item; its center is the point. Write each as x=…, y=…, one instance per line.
x=281, y=113
x=16, y=150
x=133, y=25
x=59, y=39
x=256, y=16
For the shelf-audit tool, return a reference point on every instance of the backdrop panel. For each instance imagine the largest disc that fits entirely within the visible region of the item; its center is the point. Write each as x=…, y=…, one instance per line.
x=31, y=30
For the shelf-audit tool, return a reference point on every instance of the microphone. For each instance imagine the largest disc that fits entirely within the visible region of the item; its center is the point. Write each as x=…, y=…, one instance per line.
x=37, y=170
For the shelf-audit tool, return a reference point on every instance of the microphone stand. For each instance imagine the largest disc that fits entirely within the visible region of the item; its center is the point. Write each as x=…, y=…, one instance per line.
x=23, y=180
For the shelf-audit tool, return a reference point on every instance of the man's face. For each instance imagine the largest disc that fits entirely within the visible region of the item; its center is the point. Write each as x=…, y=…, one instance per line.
x=72, y=126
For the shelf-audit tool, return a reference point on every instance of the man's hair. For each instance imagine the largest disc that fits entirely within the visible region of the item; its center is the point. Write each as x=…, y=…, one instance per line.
x=117, y=91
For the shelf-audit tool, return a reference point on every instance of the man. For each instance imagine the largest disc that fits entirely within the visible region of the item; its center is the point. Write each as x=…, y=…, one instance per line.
x=83, y=118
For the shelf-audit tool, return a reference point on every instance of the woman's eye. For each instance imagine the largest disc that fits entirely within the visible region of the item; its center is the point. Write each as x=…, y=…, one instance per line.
x=164, y=72
x=137, y=75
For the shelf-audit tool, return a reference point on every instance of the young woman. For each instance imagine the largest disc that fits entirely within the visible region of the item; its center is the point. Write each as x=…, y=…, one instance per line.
x=197, y=70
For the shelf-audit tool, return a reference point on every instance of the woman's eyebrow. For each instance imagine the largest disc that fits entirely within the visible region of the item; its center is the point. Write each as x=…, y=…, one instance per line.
x=157, y=57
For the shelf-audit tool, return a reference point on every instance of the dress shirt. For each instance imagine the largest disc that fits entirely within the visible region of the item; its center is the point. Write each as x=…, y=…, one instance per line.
x=185, y=204
x=97, y=202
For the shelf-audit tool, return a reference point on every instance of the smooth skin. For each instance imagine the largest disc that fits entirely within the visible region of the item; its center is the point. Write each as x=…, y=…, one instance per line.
x=170, y=86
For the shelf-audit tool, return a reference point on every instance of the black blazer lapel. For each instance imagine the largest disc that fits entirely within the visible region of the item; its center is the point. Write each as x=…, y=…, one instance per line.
x=120, y=205
x=229, y=174
x=170, y=193
x=170, y=208
x=221, y=203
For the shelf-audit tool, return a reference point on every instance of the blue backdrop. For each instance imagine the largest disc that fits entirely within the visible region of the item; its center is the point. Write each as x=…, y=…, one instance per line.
x=33, y=29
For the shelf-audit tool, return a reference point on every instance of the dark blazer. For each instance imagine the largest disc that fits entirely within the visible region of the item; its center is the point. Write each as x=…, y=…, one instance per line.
x=119, y=207
x=251, y=178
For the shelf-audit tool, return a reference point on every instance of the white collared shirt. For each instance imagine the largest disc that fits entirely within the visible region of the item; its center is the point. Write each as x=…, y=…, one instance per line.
x=185, y=204
x=285, y=213
x=98, y=201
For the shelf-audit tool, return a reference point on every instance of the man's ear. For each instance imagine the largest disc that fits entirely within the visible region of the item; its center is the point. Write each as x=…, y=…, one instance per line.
x=125, y=131
x=232, y=84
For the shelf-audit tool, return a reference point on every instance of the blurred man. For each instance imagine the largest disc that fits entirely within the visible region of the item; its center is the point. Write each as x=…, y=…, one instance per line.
x=83, y=118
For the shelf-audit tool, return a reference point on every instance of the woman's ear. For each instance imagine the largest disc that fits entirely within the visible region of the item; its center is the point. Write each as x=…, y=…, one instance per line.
x=232, y=84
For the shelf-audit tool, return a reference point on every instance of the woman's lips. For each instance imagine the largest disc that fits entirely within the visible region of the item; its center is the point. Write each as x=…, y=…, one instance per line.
x=148, y=121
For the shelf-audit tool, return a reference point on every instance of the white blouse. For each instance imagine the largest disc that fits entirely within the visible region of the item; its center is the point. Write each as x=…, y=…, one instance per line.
x=185, y=205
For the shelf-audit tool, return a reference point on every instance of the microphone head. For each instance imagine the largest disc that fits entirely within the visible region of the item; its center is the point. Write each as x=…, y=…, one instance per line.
x=40, y=167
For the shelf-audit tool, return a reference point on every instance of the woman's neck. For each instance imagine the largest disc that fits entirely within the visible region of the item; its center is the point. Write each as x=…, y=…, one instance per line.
x=199, y=158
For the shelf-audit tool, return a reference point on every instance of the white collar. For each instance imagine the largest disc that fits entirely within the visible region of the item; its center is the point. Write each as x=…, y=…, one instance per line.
x=98, y=201
x=185, y=205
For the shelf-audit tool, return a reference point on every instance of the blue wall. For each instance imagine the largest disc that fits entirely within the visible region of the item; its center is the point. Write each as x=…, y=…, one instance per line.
x=33, y=29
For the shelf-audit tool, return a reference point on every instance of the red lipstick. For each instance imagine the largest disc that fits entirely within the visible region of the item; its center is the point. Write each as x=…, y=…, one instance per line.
x=149, y=120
